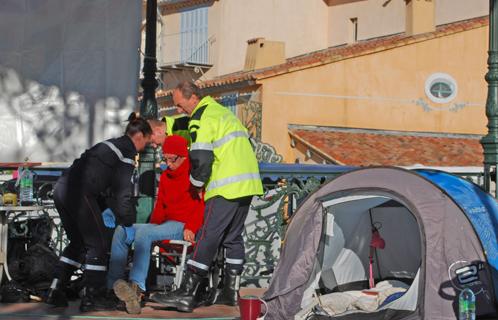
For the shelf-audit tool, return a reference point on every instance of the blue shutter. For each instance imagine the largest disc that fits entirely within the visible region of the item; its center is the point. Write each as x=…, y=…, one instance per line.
x=194, y=36
x=230, y=101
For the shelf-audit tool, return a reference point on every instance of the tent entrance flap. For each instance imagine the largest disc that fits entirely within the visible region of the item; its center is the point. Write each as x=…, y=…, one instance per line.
x=347, y=236
x=345, y=248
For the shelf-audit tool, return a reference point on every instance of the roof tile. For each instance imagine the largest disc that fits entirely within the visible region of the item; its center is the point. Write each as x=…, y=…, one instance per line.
x=371, y=147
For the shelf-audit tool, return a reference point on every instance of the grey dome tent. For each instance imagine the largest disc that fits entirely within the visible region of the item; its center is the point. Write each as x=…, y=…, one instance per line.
x=438, y=234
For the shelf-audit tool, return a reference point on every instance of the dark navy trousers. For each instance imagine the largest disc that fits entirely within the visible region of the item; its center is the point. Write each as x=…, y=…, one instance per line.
x=89, y=239
x=223, y=226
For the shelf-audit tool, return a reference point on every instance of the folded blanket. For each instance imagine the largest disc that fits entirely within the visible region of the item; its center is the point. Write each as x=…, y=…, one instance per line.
x=366, y=300
x=386, y=288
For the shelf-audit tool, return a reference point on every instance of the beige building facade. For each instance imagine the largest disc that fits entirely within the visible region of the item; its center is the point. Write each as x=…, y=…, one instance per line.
x=220, y=29
x=401, y=70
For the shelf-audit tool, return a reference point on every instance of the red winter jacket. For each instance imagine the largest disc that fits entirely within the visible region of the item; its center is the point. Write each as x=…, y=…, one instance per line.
x=175, y=201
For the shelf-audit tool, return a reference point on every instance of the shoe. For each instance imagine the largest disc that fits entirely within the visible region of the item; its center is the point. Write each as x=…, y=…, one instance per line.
x=57, y=298
x=100, y=299
x=111, y=296
x=121, y=306
x=185, y=298
x=56, y=294
x=130, y=293
x=205, y=295
x=228, y=294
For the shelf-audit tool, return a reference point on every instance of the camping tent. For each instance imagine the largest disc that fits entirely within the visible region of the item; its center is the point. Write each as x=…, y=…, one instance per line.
x=439, y=232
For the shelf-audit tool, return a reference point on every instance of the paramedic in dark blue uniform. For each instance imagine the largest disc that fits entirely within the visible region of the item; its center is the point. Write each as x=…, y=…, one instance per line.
x=101, y=178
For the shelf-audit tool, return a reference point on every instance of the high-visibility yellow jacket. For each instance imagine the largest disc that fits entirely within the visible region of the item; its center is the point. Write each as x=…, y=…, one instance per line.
x=177, y=125
x=222, y=157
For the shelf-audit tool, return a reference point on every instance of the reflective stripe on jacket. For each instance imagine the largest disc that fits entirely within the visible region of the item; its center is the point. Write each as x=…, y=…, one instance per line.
x=223, y=160
x=106, y=169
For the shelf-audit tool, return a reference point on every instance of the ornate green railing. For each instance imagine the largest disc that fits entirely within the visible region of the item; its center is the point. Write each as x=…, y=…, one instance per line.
x=286, y=185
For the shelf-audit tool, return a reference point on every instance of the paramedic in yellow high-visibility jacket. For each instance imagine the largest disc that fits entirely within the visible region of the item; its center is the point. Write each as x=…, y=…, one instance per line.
x=224, y=166
x=167, y=126
x=177, y=125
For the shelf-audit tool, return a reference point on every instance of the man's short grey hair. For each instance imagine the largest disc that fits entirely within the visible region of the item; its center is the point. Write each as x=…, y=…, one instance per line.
x=155, y=123
x=188, y=89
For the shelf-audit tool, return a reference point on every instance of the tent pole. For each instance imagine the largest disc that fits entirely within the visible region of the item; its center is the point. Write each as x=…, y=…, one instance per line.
x=375, y=250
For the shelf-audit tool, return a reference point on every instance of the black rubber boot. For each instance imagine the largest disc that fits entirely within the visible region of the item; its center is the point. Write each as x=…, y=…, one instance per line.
x=204, y=294
x=59, y=291
x=100, y=299
x=56, y=294
x=185, y=298
x=228, y=294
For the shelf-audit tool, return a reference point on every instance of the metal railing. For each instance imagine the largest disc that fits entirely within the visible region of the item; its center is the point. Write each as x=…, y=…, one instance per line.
x=286, y=186
x=174, y=53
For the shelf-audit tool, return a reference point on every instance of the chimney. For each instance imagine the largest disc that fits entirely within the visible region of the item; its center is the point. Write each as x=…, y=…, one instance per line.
x=420, y=16
x=261, y=53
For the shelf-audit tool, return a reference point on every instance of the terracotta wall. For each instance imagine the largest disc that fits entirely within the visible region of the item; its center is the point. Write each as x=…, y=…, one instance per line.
x=385, y=90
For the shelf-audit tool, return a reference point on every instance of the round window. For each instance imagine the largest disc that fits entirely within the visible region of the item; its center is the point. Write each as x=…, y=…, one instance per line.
x=441, y=88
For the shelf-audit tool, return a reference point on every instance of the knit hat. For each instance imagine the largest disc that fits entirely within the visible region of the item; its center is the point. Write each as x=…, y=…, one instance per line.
x=175, y=145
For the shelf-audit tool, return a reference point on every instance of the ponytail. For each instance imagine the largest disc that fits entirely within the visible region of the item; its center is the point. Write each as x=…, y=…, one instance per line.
x=137, y=124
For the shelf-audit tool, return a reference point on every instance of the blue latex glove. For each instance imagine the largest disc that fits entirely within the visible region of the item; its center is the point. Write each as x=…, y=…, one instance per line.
x=130, y=235
x=109, y=218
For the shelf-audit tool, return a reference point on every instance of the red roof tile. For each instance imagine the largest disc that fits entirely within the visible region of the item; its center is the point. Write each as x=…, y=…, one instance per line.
x=359, y=147
x=177, y=5
x=335, y=54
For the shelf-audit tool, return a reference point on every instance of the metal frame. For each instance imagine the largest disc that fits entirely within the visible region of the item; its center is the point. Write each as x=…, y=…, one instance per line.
x=182, y=256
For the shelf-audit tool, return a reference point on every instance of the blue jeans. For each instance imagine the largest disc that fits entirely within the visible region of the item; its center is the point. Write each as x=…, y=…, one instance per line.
x=145, y=234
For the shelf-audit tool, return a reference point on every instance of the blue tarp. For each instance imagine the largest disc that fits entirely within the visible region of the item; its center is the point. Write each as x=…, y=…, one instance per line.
x=480, y=207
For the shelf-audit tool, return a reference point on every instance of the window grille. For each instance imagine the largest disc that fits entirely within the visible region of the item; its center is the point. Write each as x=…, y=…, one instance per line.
x=230, y=101
x=194, y=36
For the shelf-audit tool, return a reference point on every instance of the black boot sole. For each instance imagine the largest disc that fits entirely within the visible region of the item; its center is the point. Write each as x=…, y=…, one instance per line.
x=227, y=303
x=57, y=304
x=86, y=309
x=172, y=304
x=222, y=299
x=181, y=308
x=57, y=299
x=91, y=308
x=185, y=309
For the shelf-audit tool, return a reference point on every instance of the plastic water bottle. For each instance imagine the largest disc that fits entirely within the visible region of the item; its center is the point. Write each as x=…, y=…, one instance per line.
x=26, y=186
x=466, y=305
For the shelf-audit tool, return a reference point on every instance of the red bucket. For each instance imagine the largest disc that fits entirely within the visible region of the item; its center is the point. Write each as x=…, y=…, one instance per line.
x=250, y=308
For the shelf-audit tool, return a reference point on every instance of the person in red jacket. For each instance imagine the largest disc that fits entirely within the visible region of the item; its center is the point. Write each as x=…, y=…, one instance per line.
x=177, y=215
